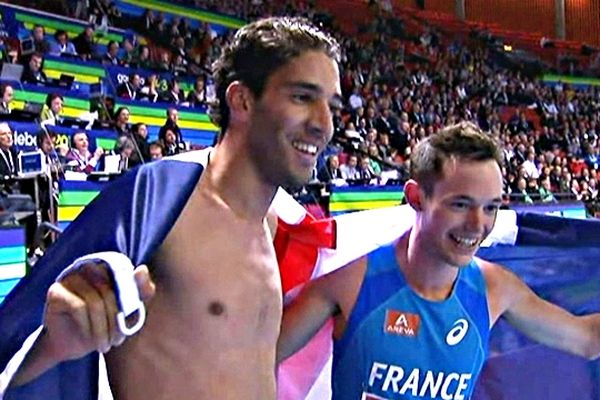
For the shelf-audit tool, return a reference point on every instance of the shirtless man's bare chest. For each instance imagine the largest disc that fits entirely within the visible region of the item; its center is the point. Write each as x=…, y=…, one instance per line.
x=214, y=322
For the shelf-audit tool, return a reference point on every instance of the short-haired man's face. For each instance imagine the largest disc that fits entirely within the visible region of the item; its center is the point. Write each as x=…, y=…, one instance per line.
x=124, y=116
x=81, y=141
x=113, y=49
x=35, y=64
x=170, y=137
x=142, y=131
x=292, y=121
x=56, y=105
x=47, y=145
x=38, y=33
x=461, y=210
x=6, y=137
x=155, y=153
x=173, y=115
x=352, y=161
x=8, y=95
x=135, y=80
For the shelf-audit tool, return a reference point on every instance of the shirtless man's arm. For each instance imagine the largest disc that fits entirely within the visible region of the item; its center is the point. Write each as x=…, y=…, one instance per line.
x=79, y=318
x=539, y=319
x=332, y=295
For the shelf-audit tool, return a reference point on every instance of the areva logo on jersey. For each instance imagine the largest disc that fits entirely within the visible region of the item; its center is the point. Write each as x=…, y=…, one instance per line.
x=401, y=323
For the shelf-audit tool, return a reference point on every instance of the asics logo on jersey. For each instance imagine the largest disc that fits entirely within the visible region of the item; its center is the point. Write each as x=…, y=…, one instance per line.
x=458, y=332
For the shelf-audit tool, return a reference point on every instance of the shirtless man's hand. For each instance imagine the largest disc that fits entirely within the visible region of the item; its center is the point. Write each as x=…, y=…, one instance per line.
x=80, y=317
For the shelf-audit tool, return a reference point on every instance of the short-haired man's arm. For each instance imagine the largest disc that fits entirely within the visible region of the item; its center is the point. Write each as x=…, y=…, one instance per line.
x=539, y=319
x=304, y=316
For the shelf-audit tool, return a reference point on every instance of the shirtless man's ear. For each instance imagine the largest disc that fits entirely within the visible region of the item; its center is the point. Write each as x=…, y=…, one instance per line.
x=239, y=100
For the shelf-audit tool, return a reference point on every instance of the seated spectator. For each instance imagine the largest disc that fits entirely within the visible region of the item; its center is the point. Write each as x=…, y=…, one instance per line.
x=179, y=68
x=142, y=59
x=62, y=46
x=126, y=149
x=331, y=170
x=171, y=123
x=54, y=157
x=350, y=170
x=6, y=97
x=121, y=123
x=164, y=63
x=130, y=88
x=84, y=44
x=52, y=109
x=41, y=44
x=197, y=97
x=374, y=156
x=522, y=191
x=129, y=53
x=149, y=91
x=173, y=94
x=33, y=73
x=111, y=55
x=169, y=141
x=365, y=169
x=8, y=155
x=79, y=158
x=142, y=148
x=157, y=150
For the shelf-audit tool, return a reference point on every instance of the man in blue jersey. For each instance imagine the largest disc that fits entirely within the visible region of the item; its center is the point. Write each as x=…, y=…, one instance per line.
x=412, y=318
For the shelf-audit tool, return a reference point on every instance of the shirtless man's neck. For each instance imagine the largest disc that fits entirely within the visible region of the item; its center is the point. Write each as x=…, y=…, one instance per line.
x=232, y=179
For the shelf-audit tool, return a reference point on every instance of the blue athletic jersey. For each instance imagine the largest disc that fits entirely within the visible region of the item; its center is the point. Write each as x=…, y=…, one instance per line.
x=398, y=345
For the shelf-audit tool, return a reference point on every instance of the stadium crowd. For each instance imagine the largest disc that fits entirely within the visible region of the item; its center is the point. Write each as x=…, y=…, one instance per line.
x=400, y=85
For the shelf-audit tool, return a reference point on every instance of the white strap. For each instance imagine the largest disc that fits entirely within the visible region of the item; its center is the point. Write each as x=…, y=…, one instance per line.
x=126, y=292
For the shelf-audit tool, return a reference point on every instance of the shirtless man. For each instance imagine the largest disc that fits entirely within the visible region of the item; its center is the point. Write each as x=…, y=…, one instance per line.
x=412, y=318
x=213, y=285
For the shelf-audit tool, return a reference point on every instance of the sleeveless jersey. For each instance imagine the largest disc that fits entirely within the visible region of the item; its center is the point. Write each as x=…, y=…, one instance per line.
x=398, y=345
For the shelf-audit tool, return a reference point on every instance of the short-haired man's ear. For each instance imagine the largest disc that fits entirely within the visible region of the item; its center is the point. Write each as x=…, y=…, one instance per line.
x=412, y=193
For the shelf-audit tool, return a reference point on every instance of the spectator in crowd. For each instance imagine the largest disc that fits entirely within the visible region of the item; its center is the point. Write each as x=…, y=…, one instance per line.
x=366, y=171
x=157, y=150
x=8, y=154
x=168, y=139
x=129, y=55
x=62, y=46
x=524, y=196
x=33, y=72
x=197, y=96
x=51, y=110
x=121, y=122
x=173, y=94
x=41, y=44
x=85, y=45
x=79, y=158
x=111, y=55
x=142, y=58
x=141, y=152
x=130, y=88
x=6, y=97
x=149, y=92
x=330, y=172
x=349, y=169
x=45, y=140
x=126, y=149
x=172, y=123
